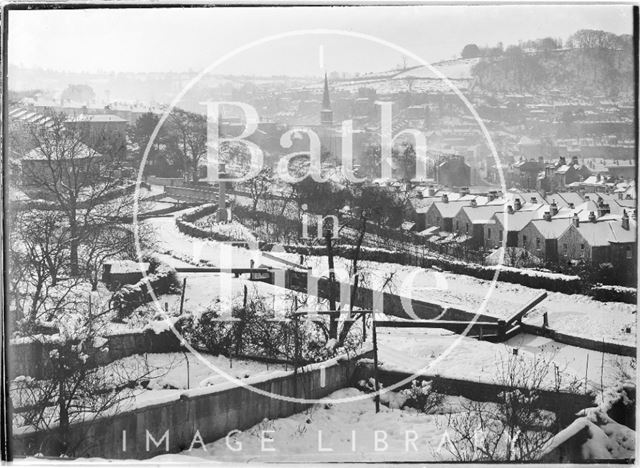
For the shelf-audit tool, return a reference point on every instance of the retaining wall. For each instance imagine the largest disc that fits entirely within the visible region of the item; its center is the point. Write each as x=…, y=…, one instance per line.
x=214, y=412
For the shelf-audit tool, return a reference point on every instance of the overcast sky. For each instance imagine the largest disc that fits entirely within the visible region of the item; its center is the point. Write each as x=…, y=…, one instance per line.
x=192, y=38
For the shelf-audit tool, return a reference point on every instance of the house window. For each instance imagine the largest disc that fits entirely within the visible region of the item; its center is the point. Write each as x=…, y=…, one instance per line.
x=500, y=235
x=537, y=242
x=489, y=233
x=524, y=241
x=457, y=225
x=629, y=253
x=467, y=227
x=581, y=246
x=565, y=248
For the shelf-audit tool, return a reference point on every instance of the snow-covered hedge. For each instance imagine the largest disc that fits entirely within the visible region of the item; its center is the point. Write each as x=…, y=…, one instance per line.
x=539, y=279
x=186, y=226
x=161, y=279
x=606, y=293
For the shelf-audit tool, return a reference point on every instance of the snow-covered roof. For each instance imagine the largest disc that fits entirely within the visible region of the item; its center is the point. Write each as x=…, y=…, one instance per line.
x=552, y=229
x=96, y=118
x=481, y=214
x=517, y=220
x=120, y=267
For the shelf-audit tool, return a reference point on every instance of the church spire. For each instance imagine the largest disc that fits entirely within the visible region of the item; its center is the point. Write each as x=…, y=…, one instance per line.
x=326, y=102
x=326, y=114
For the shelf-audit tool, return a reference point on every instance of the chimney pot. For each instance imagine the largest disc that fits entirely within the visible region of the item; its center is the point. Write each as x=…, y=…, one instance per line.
x=547, y=216
x=625, y=220
x=592, y=217
x=576, y=220
x=510, y=209
x=517, y=204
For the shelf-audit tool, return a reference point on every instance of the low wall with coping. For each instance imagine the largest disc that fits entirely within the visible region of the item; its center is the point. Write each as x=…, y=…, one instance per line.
x=580, y=342
x=31, y=357
x=564, y=404
x=210, y=412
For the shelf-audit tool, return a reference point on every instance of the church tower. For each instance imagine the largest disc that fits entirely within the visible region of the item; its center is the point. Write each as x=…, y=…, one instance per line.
x=326, y=114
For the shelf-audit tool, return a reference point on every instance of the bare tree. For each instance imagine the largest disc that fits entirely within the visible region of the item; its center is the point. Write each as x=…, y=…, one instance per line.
x=259, y=187
x=83, y=185
x=188, y=139
x=515, y=428
x=78, y=388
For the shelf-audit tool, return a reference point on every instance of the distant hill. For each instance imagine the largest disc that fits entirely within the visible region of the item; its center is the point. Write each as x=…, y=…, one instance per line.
x=591, y=63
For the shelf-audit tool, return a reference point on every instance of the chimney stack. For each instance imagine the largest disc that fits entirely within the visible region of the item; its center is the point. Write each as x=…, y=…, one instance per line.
x=547, y=216
x=534, y=200
x=571, y=205
x=510, y=209
x=603, y=209
x=574, y=160
x=445, y=198
x=592, y=217
x=517, y=204
x=474, y=203
x=625, y=220
x=576, y=220
x=554, y=208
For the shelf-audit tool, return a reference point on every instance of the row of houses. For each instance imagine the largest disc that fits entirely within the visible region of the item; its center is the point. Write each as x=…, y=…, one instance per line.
x=555, y=228
x=564, y=174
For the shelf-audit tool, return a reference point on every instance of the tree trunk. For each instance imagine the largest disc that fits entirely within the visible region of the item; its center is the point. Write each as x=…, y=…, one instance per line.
x=63, y=426
x=333, y=320
x=73, y=230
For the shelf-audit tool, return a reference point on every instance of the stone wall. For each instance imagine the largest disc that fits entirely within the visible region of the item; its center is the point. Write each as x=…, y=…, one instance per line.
x=213, y=412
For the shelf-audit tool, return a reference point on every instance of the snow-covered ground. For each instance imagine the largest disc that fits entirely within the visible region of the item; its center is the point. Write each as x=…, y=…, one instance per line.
x=573, y=314
x=325, y=433
x=172, y=373
x=411, y=350
x=440, y=352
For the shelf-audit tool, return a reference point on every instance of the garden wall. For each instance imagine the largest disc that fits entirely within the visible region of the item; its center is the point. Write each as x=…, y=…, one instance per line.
x=366, y=298
x=578, y=341
x=213, y=411
x=564, y=404
x=31, y=358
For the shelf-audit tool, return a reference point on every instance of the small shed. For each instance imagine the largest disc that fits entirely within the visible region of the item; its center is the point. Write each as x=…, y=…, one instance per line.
x=115, y=273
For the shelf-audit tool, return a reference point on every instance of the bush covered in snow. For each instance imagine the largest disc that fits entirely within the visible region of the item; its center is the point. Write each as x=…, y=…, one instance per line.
x=607, y=293
x=161, y=279
x=252, y=331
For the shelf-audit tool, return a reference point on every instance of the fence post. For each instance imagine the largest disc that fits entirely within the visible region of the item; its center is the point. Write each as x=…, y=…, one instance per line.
x=375, y=363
